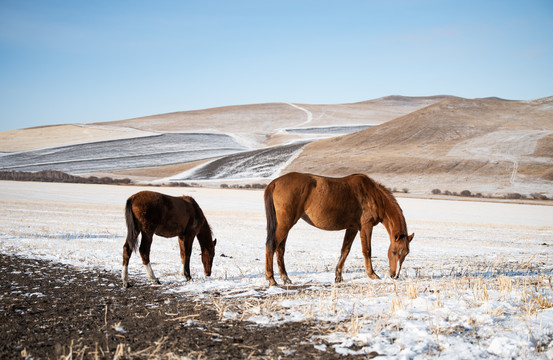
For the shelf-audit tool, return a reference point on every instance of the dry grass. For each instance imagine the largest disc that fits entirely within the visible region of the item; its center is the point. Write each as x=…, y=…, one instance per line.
x=481, y=284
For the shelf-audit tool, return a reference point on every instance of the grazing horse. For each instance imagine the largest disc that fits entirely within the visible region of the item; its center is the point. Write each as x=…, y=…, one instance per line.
x=354, y=203
x=150, y=213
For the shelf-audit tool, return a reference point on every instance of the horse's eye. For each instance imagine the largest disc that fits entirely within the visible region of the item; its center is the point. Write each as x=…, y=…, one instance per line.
x=394, y=253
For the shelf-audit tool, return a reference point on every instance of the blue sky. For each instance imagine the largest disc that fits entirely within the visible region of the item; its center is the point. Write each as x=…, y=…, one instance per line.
x=93, y=61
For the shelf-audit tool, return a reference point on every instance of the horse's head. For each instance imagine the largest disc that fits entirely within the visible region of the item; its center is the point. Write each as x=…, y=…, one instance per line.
x=208, y=253
x=398, y=250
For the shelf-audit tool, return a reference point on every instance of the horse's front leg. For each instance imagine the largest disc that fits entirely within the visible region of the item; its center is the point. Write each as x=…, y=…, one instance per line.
x=346, y=247
x=144, y=249
x=185, y=244
x=366, y=233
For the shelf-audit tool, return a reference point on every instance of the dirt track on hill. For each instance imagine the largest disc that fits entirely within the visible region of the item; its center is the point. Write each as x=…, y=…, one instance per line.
x=52, y=310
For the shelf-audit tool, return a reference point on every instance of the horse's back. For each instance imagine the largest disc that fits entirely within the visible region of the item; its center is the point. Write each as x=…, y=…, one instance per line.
x=157, y=201
x=294, y=183
x=162, y=214
x=292, y=187
x=146, y=197
x=325, y=202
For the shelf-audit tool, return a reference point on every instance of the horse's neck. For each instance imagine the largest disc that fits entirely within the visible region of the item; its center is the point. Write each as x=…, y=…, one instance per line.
x=393, y=219
x=394, y=224
x=204, y=236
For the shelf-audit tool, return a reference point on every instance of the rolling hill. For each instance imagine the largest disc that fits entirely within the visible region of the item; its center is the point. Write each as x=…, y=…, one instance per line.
x=256, y=126
x=486, y=145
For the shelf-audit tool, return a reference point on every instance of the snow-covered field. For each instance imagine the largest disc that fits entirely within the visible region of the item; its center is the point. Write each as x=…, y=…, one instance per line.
x=139, y=152
x=477, y=282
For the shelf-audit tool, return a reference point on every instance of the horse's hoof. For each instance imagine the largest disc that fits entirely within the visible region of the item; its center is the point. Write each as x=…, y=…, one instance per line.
x=374, y=276
x=338, y=280
x=127, y=285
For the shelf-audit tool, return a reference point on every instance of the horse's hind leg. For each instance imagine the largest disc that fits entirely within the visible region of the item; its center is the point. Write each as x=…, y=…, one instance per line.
x=281, y=233
x=280, y=260
x=145, y=245
x=269, y=257
x=346, y=246
x=127, y=252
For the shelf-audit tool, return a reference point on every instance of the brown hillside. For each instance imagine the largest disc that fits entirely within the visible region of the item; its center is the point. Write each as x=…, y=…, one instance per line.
x=255, y=125
x=260, y=125
x=480, y=141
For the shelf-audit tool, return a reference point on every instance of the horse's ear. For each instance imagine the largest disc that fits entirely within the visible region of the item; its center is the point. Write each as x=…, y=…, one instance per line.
x=214, y=242
x=411, y=237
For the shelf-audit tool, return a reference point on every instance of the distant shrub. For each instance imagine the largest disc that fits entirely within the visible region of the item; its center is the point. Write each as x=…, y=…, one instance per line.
x=466, y=193
x=259, y=186
x=513, y=196
x=58, y=176
x=436, y=191
x=179, y=184
x=405, y=190
x=224, y=186
x=538, y=196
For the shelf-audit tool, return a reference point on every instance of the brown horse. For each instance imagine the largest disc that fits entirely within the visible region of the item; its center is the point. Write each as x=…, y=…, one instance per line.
x=354, y=203
x=150, y=213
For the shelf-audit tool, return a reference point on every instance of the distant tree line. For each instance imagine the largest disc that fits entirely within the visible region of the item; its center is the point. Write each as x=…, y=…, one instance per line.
x=59, y=177
x=246, y=186
x=511, y=196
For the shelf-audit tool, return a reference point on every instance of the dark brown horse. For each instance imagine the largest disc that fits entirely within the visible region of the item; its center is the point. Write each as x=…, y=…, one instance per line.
x=150, y=213
x=354, y=203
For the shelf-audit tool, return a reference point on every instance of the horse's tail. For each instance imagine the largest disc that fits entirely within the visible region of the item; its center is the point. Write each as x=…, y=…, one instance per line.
x=132, y=226
x=271, y=217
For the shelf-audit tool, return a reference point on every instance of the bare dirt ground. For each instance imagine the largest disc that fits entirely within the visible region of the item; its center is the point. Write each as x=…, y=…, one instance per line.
x=52, y=311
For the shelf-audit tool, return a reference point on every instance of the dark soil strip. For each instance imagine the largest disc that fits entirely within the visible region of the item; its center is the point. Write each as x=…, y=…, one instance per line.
x=51, y=310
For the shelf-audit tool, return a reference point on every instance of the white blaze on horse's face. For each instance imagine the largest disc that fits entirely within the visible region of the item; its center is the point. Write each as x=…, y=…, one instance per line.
x=398, y=250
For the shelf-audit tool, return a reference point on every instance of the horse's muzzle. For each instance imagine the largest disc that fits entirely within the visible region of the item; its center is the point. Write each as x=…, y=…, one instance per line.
x=394, y=275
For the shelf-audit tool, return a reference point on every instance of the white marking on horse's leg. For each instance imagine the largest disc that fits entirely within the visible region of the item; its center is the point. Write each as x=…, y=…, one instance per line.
x=125, y=275
x=150, y=273
x=182, y=269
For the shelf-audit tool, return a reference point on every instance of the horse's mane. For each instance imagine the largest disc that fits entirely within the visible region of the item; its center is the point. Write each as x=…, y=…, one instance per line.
x=205, y=227
x=386, y=193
